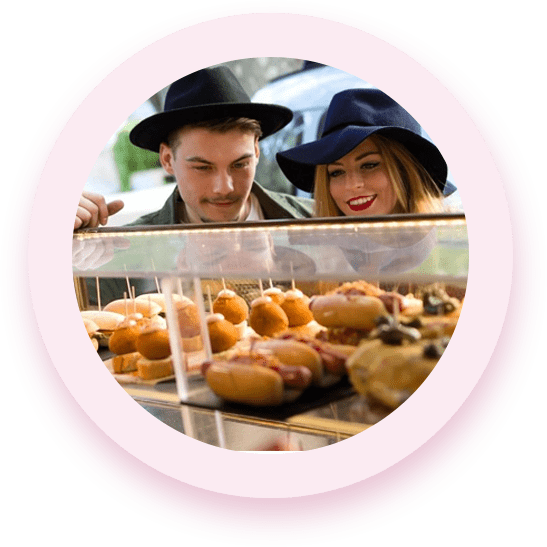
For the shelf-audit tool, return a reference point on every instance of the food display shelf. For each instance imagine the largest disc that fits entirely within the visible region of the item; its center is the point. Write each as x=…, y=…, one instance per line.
x=407, y=251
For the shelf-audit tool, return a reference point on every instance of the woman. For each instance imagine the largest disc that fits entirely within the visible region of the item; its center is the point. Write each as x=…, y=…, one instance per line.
x=371, y=159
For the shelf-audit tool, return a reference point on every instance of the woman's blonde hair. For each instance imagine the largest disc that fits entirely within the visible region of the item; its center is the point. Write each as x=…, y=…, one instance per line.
x=415, y=190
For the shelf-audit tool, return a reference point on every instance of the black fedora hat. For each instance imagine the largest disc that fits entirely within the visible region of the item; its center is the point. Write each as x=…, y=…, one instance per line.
x=352, y=116
x=208, y=94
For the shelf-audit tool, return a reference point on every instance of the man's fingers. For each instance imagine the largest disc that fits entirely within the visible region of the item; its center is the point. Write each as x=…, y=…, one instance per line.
x=114, y=207
x=94, y=211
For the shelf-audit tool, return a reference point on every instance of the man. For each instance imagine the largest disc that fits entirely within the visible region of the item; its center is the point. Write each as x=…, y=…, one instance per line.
x=207, y=138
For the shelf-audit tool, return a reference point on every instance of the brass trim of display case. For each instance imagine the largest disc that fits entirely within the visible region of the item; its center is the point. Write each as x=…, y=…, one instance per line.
x=310, y=223
x=82, y=296
x=349, y=429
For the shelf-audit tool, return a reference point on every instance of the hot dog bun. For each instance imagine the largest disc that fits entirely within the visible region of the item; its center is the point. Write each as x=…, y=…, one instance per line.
x=130, y=305
x=353, y=311
x=106, y=321
x=332, y=359
x=291, y=352
x=159, y=299
x=92, y=328
x=253, y=385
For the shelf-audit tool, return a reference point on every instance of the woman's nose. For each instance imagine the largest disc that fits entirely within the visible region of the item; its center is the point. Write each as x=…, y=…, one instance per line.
x=353, y=180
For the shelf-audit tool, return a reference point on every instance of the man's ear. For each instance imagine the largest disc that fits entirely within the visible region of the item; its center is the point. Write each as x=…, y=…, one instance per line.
x=257, y=149
x=166, y=158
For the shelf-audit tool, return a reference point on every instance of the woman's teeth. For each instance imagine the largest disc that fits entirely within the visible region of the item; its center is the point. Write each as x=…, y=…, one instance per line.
x=361, y=201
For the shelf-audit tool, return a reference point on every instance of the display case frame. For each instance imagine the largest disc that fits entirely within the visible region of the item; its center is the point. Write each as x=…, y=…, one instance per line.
x=298, y=236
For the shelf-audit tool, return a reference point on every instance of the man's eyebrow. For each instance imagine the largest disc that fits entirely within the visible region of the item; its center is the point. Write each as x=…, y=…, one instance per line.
x=198, y=159
x=203, y=160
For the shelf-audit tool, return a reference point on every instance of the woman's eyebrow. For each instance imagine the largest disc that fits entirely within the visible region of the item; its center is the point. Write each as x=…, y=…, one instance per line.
x=365, y=154
x=360, y=157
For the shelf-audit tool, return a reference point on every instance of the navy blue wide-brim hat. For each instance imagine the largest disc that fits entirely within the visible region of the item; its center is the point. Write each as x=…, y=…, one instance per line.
x=208, y=94
x=352, y=116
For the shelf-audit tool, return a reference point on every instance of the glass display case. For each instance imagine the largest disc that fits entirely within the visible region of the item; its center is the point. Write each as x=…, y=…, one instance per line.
x=399, y=253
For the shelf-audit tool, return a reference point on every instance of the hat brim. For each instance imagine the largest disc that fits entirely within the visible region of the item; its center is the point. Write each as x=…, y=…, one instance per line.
x=298, y=164
x=152, y=131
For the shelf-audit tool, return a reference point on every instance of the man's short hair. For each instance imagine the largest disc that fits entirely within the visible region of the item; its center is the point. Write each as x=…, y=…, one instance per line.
x=223, y=125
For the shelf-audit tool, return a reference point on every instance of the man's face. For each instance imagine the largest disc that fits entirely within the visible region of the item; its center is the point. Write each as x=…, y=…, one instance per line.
x=214, y=171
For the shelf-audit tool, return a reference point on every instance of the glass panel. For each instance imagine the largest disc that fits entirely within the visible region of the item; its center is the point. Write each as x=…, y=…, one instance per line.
x=417, y=249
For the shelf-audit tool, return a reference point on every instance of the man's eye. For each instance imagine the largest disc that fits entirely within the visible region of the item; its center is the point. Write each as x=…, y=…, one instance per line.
x=201, y=167
x=241, y=165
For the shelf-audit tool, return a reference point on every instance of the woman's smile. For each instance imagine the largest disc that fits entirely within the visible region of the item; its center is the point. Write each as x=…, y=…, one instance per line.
x=361, y=203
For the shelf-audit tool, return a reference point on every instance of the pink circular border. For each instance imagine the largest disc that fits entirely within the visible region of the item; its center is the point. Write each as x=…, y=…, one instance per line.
x=383, y=498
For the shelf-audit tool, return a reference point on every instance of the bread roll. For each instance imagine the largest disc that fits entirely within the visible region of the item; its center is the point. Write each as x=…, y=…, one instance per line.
x=291, y=352
x=152, y=369
x=128, y=306
x=106, y=321
x=159, y=299
x=353, y=311
x=296, y=306
x=277, y=295
x=192, y=344
x=232, y=306
x=222, y=334
x=124, y=338
x=248, y=384
x=267, y=318
x=92, y=328
x=188, y=318
x=122, y=364
x=153, y=343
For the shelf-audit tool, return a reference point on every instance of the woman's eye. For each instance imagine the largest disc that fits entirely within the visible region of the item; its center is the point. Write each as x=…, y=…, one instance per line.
x=335, y=173
x=370, y=165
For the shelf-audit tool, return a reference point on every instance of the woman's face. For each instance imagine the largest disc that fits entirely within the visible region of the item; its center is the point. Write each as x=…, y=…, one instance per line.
x=359, y=183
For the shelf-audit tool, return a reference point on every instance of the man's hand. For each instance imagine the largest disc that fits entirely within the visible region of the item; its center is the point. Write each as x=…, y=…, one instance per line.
x=93, y=253
x=93, y=210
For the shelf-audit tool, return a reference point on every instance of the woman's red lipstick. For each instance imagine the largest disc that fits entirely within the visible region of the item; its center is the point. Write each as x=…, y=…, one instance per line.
x=361, y=203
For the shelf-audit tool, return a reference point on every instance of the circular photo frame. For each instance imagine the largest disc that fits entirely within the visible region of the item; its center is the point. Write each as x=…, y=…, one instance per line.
x=189, y=487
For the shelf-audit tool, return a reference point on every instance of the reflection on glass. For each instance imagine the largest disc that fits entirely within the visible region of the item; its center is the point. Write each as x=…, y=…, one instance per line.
x=304, y=250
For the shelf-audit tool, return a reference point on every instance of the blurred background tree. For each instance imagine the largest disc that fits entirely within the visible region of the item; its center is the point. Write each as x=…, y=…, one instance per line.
x=130, y=159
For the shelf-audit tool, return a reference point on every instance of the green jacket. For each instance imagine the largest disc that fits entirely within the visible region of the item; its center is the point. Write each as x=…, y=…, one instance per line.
x=274, y=206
